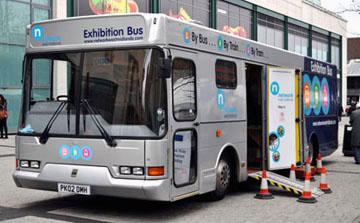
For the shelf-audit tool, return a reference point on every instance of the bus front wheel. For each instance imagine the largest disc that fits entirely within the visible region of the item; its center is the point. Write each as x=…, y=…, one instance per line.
x=223, y=179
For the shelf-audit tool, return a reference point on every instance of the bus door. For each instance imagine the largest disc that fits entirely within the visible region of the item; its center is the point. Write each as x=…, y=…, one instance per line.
x=282, y=103
x=183, y=123
x=255, y=116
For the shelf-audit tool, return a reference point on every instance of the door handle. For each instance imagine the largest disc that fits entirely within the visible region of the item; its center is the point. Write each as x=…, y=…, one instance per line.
x=196, y=123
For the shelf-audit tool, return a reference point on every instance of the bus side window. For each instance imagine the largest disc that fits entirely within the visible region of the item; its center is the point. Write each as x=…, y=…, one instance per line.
x=225, y=74
x=184, y=89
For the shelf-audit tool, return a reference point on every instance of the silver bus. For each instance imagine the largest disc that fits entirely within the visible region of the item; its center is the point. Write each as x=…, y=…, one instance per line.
x=145, y=106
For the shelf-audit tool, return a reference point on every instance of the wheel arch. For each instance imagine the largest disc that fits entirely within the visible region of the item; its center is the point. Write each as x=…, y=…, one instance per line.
x=229, y=150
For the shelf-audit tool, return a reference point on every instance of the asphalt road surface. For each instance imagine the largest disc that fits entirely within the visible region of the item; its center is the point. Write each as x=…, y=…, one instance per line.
x=343, y=205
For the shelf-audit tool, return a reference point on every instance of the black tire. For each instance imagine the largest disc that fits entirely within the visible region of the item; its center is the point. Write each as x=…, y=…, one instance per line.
x=223, y=179
x=313, y=151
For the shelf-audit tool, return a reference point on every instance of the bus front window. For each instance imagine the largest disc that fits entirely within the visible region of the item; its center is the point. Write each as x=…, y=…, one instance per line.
x=120, y=90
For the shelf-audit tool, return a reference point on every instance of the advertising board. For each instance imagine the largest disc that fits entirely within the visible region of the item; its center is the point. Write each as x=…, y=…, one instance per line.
x=281, y=118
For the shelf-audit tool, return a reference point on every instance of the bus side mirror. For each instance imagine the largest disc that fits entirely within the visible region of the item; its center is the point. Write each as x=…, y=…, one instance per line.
x=164, y=67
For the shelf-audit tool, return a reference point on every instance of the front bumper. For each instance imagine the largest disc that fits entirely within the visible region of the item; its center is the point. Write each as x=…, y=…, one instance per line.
x=98, y=178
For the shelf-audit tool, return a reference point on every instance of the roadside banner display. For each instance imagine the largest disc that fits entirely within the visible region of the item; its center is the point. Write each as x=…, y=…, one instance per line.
x=281, y=118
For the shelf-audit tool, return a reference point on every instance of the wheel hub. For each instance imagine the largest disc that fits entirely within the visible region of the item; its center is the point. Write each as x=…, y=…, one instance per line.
x=223, y=179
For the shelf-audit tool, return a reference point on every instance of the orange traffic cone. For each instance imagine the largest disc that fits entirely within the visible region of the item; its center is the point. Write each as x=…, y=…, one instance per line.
x=264, y=191
x=307, y=197
x=308, y=169
x=323, y=184
x=318, y=165
x=292, y=173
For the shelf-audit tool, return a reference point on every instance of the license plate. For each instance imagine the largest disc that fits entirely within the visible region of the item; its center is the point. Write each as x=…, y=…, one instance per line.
x=72, y=188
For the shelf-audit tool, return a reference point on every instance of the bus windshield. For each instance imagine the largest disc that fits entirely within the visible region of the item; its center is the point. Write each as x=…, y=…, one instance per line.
x=117, y=91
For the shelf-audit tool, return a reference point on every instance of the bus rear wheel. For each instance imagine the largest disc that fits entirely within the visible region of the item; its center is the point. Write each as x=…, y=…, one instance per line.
x=223, y=179
x=313, y=151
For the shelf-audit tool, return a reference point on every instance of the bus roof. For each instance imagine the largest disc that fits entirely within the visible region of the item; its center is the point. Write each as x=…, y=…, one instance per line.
x=144, y=30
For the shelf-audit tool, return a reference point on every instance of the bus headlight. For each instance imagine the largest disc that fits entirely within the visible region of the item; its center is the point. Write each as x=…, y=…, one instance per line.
x=24, y=163
x=35, y=164
x=138, y=171
x=125, y=170
x=30, y=164
x=128, y=170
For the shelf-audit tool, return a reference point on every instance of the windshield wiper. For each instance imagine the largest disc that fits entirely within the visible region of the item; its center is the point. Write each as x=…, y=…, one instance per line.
x=108, y=138
x=45, y=134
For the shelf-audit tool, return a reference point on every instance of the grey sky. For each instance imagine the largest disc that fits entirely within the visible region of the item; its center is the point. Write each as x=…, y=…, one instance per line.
x=353, y=27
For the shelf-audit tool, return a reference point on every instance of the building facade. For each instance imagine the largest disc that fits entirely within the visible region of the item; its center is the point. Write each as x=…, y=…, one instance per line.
x=15, y=15
x=353, y=51
x=299, y=26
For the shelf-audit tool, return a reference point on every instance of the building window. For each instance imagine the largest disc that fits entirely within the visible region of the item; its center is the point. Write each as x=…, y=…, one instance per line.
x=14, y=17
x=298, y=39
x=270, y=31
x=41, y=2
x=319, y=46
x=353, y=82
x=188, y=10
x=41, y=14
x=99, y=7
x=225, y=74
x=234, y=19
x=11, y=57
x=335, y=52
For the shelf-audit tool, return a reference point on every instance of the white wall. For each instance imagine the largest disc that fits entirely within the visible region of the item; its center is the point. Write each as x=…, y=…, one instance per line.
x=344, y=73
x=59, y=9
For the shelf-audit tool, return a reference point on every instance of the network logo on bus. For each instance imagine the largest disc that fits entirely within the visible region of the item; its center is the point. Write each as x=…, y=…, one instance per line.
x=37, y=32
x=220, y=99
x=220, y=43
x=325, y=96
x=75, y=152
x=274, y=88
x=187, y=35
x=248, y=50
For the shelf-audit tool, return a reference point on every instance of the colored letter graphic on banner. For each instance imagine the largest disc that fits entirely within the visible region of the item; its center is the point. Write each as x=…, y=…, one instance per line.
x=325, y=96
x=307, y=95
x=316, y=95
